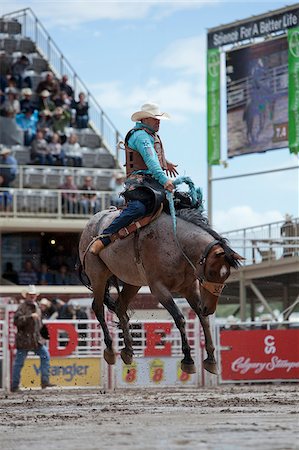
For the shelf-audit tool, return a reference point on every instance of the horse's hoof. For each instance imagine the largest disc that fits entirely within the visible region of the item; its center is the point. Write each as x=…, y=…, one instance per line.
x=188, y=367
x=109, y=356
x=210, y=366
x=126, y=357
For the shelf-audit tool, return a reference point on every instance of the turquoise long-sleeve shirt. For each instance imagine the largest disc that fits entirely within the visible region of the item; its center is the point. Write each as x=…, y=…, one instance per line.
x=143, y=143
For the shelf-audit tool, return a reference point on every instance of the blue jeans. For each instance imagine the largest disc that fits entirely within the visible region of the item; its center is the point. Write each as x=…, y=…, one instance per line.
x=21, y=355
x=133, y=211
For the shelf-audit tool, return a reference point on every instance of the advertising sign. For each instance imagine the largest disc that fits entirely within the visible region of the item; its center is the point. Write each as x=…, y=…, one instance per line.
x=259, y=355
x=257, y=97
x=263, y=25
x=63, y=372
x=293, y=41
x=213, y=119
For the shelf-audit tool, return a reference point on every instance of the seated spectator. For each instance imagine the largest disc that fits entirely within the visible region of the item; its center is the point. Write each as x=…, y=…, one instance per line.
x=65, y=87
x=18, y=71
x=55, y=150
x=28, y=275
x=50, y=84
x=5, y=197
x=45, y=103
x=40, y=153
x=10, y=170
x=63, y=101
x=69, y=199
x=45, y=276
x=118, y=188
x=81, y=109
x=57, y=305
x=10, y=274
x=45, y=123
x=90, y=204
x=26, y=99
x=27, y=120
x=61, y=118
x=11, y=105
x=64, y=276
x=72, y=151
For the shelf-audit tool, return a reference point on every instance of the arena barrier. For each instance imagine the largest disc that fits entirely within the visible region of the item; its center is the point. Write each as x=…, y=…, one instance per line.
x=76, y=348
x=255, y=352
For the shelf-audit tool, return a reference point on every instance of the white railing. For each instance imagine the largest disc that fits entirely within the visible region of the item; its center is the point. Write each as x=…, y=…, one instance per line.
x=32, y=28
x=51, y=203
x=266, y=242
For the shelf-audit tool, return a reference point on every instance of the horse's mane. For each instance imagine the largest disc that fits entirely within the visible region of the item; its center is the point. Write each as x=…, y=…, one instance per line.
x=195, y=216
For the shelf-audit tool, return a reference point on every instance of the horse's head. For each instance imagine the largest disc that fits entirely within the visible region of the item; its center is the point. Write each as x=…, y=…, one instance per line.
x=215, y=268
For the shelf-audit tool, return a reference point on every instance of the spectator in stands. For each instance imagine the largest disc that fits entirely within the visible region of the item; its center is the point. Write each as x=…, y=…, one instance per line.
x=5, y=197
x=57, y=304
x=90, y=204
x=18, y=71
x=81, y=108
x=9, y=172
x=63, y=101
x=10, y=274
x=56, y=151
x=61, y=118
x=3, y=86
x=65, y=87
x=72, y=151
x=64, y=276
x=45, y=103
x=29, y=274
x=11, y=105
x=45, y=276
x=50, y=84
x=40, y=152
x=26, y=99
x=69, y=199
x=27, y=120
x=118, y=187
x=30, y=336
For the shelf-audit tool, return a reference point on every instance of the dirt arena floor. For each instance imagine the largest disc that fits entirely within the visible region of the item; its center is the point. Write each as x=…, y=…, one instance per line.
x=226, y=417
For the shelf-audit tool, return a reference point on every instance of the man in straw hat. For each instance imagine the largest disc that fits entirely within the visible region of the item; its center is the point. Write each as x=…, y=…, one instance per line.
x=29, y=328
x=8, y=166
x=146, y=168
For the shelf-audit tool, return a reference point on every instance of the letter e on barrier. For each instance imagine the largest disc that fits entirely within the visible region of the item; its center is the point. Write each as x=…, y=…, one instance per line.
x=155, y=333
x=54, y=329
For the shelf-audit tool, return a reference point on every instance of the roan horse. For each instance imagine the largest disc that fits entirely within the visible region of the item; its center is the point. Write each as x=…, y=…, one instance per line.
x=194, y=263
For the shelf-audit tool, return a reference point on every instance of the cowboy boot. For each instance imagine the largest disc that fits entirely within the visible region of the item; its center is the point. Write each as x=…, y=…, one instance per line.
x=96, y=247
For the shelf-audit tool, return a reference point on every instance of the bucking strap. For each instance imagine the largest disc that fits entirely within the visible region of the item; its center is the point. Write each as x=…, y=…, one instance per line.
x=126, y=231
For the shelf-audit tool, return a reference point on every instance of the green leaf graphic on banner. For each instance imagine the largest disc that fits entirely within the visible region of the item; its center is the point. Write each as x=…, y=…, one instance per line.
x=293, y=57
x=213, y=116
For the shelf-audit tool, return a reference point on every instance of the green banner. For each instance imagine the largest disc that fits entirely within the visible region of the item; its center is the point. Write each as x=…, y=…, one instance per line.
x=213, y=82
x=293, y=57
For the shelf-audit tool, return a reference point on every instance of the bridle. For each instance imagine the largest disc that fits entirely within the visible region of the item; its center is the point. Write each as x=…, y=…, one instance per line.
x=214, y=288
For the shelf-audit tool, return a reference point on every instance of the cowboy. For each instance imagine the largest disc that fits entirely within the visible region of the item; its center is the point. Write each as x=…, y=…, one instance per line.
x=145, y=164
x=30, y=336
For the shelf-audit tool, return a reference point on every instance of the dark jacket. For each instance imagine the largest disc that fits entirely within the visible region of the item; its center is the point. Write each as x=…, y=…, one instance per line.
x=28, y=335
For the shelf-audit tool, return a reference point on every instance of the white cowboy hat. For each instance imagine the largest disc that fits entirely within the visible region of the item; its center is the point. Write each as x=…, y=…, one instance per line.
x=45, y=93
x=26, y=91
x=149, y=110
x=5, y=151
x=30, y=290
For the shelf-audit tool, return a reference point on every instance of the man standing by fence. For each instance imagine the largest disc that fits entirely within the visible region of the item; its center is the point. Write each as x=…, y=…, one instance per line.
x=30, y=336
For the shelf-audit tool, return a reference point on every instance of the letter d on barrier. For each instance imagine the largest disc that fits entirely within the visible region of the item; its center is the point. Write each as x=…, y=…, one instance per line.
x=72, y=343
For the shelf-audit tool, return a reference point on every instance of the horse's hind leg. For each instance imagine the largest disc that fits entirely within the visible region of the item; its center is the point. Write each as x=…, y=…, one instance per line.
x=98, y=274
x=165, y=298
x=127, y=293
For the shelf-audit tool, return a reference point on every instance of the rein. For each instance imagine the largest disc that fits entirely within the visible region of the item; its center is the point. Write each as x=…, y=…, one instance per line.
x=214, y=288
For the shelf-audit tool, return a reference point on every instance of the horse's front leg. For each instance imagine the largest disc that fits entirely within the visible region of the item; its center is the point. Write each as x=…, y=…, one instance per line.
x=127, y=293
x=193, y=298
x=165, y=298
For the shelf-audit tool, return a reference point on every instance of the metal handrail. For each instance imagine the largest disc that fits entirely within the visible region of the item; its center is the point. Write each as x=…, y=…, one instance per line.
x=35, y=30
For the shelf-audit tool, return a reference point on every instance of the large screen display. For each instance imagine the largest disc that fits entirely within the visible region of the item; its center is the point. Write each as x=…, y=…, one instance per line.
x=257, y=97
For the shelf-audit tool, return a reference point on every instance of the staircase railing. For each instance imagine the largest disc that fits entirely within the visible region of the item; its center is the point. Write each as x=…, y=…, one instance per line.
x=32, y=28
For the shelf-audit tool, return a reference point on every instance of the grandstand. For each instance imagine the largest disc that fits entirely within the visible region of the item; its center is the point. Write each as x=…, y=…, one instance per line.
x=36, y=192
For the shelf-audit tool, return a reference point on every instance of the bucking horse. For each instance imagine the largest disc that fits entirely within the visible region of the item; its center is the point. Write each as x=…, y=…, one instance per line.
x=192, y=261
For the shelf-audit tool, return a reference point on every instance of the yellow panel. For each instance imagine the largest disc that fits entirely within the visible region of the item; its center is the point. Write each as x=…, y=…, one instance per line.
x=64, y=372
